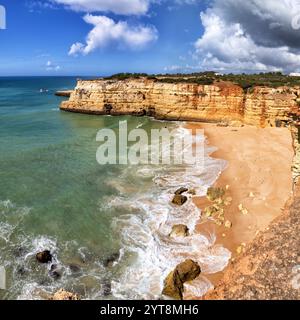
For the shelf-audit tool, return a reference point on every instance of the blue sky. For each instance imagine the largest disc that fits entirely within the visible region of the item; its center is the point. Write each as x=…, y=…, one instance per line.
x=37, y=35
x=101, y=37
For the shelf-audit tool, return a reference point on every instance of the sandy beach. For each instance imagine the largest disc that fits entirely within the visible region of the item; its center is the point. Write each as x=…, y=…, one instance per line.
x=258, y=179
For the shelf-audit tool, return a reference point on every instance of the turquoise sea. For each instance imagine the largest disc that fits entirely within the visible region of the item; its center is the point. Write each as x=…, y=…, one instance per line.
x=106, y=226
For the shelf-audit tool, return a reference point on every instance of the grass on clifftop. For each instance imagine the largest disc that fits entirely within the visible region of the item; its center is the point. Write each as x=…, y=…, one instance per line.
x=245, y=81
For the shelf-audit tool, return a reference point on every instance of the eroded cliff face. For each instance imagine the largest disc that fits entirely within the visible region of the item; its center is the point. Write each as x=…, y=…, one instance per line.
x=270, y=267
x=221, y=102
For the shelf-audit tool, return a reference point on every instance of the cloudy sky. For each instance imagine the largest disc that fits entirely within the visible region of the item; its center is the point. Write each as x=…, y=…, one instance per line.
x=100, y=37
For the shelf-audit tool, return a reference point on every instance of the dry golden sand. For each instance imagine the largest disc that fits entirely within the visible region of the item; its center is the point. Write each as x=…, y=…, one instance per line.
x=259, y=178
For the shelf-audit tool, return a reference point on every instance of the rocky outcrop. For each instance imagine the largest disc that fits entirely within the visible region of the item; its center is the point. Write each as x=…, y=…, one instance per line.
x=184, y=272
x=221, y=102
x=66, y=93
x=65, y=295
x=181, y=190
x=44, y=256
x=179, y=200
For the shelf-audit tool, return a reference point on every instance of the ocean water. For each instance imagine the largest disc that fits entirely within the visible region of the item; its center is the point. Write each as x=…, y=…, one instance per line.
x=55, y=196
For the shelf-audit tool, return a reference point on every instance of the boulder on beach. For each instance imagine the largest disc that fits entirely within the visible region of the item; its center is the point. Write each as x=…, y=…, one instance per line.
x=185, y=271
x=181, y=191
x=179, y=230
x=65, y=295
x=188, y=270
x=173, y=286
x=215, y=193
x=44, y=256
x=179, y=200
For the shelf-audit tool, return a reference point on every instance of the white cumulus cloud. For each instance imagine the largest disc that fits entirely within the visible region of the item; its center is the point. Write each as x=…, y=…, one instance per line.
x=106, y=31
x=123, y=7
x=250, y=35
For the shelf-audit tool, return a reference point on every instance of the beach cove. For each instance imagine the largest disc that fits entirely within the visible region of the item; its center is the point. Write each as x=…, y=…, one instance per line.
x=258, y=178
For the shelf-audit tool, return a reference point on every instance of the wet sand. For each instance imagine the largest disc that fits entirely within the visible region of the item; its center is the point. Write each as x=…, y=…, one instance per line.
x=258, y=177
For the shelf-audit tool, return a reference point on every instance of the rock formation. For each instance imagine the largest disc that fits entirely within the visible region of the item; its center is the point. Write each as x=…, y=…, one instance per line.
x=179, y=200
x=184, y=272
x=44, y=256
x=179, y=230
x=221, y=102
x=181, y=190
x=65, y=295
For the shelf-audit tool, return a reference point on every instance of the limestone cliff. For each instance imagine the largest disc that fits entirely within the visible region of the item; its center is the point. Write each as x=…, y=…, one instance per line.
x=220, y=102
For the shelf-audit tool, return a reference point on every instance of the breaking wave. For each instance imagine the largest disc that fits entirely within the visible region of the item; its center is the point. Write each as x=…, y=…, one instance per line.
x=147, y=221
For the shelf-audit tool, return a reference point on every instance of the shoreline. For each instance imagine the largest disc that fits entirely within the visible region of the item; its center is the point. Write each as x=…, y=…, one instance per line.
x=258, y=178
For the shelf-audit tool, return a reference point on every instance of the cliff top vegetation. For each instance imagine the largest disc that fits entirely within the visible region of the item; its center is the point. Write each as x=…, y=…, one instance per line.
x=245, y=81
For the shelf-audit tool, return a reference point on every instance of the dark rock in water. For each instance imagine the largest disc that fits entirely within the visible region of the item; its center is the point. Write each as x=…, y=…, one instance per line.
x=108, y=263
x=55, y=272
x=106, y=287
x=21, y=270
x=74, y=268
x=55, y=275
x=181, y=191
x=185, y=271
x=44, y=256
x=179, y=200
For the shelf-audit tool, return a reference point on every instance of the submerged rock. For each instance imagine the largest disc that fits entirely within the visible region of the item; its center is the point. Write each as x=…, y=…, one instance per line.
x=179, y=200
x=21, y=271
x=44, y=256
x=55, y=272
x=179, y=230
x=185, y=271
x=108, y=262
x=181, y=191
x=65, y=295
x=106, y=288
x=74, y=268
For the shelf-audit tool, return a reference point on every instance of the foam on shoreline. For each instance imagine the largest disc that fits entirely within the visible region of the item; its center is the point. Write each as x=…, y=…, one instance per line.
x=149, y=218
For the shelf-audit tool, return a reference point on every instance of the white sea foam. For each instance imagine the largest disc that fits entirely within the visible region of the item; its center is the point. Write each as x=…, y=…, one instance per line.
x=149, y=218
x=11, y=217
